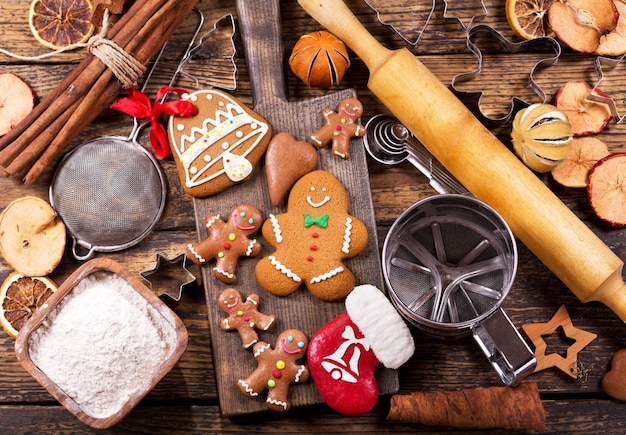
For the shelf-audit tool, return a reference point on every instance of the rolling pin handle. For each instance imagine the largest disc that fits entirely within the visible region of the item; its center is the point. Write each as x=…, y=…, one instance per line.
x=612, y=294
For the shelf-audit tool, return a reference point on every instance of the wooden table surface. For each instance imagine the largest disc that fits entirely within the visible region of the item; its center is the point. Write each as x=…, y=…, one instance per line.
x=186, y=400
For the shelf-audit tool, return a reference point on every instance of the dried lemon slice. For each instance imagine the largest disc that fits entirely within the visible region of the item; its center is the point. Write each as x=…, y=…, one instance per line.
x=529, y=18
x=20, y=297
x=58, y=24
x=542, y=136
x=32, y=236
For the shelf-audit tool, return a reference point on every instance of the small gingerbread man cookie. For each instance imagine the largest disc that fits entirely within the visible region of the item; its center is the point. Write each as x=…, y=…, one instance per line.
x=311, y=240
x=227, y=241
x=340, y=127
x=277, y=369
x=243, y=316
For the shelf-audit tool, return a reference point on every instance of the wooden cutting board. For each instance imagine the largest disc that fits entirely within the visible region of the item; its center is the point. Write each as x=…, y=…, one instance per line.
x=300, y=310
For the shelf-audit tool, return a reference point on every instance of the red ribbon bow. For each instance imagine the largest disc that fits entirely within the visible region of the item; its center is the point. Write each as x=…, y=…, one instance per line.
x=138, y=105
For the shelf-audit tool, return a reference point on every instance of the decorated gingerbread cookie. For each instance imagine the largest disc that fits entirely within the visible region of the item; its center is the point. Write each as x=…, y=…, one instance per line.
x=227, y=241
x=340, y=127
x=220, y=146
x=311, y=240
x=243, y=316
x=277, y=369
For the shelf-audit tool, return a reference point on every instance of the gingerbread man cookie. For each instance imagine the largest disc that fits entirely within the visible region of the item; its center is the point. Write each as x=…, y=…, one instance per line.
x=340, y=127
x=311, y=240
x=243, y=316
x=227, y=241
x=277, y=369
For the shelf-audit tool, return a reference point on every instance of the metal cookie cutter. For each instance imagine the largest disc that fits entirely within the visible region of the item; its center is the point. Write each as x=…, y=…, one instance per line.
x=464, y=11
x=603, y=64
x=486, y=33
x=169, y=276
x=416, y=13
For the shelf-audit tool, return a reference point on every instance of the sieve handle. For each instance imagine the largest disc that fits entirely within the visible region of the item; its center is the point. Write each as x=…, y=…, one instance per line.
x=504, y=347
x=81, y=257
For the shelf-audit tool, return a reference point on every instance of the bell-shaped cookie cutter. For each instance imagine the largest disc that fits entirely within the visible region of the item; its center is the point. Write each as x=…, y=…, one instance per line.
x=407, y=8
x=476, y=9
x=473, y=98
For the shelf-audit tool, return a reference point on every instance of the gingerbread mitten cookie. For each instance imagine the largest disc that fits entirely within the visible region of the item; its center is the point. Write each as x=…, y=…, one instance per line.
x=243, y=316
x=227, y=241
x=220, y=146
x=277, y=369
x=344, y=354
x=311, y=240
x=340, y=127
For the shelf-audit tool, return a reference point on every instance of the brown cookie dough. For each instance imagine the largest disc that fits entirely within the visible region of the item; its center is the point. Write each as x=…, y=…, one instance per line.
x=243, y=316
x=227, y=241
x=340, y=127
x=277, y=369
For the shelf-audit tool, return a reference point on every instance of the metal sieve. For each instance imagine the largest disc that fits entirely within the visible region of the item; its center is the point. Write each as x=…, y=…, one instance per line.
x=449, y=261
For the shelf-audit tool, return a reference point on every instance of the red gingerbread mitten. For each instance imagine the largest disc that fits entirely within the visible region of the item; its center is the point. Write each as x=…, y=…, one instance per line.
x=243, y=316
x=344, y=354
x=227, y=241
x=340, y=127
x=277, y=369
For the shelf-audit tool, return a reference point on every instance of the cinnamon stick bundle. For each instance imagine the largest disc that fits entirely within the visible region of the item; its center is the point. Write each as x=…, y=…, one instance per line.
x=91, y=87
x=480, y=408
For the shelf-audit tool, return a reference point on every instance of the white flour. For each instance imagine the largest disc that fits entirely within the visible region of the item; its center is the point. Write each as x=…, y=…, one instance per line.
x=102, y=343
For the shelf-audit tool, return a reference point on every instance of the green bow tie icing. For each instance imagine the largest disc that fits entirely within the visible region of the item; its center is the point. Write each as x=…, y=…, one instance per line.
x=321, y=221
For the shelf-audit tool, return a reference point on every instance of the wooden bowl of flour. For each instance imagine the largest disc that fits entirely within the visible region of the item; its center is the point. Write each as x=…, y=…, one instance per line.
x=101, y=342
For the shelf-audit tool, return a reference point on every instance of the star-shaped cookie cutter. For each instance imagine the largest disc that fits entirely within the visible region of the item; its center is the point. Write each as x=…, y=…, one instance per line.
x=536, y=331
x=473, y=98
x=169, y=276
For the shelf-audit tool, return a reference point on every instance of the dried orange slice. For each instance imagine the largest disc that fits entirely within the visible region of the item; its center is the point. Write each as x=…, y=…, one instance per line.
x=529, y=18
x=20, y=297
x=574, y=170
x=32, y=236
x=606, y=189
x=57, y=24
x=586, y=116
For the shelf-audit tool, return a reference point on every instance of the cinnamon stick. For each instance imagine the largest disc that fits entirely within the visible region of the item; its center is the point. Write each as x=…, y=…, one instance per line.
x=480, y=408
x=69, y=91
x=160, y=26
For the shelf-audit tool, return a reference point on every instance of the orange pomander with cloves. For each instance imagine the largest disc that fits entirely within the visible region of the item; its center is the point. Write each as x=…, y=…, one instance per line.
x=319, y=59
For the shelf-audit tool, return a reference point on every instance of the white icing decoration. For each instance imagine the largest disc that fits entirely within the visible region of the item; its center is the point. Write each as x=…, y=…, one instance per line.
x=223, y=272
x=246, y=387
x=201, y=139
x=300, y=371
x=276, y=402
x=346, y=236
x=283, y=269
x=193, y=97
x=196, y=253
x=212, y=220
x=327, y=275
x=237, y=167
x=180, y=127
x=261, y=349
x=249, y=250
x=193, y=170
x=207, y=158
x=278, y=235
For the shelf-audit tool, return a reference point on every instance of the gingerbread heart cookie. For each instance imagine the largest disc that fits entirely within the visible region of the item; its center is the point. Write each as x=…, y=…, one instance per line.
x=286, y=160
x=220, y=146
x=613, y=380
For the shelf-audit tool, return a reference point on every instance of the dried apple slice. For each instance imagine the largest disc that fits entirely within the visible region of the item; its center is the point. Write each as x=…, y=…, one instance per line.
x=606, y=189
x=586, y=116
x=614, y=43
x=579, y=24
x=16, y=101
x=574, y=170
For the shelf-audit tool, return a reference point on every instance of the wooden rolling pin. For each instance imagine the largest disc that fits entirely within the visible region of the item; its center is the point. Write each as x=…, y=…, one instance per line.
x=481, y=162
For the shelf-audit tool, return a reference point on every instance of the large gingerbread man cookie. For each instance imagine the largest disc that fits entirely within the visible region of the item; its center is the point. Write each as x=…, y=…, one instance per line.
x=340, y=127
x=227, y=241
x=243, y=316
x=277, y=369
x=311, y=240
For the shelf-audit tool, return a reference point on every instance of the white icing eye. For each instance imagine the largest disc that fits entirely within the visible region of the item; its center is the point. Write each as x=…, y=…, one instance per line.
x=239, y=134
x=207, y=158
x=225, y=145
x=312, y=188
x=323, y=189
x=180, y=127
x=193, y=170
